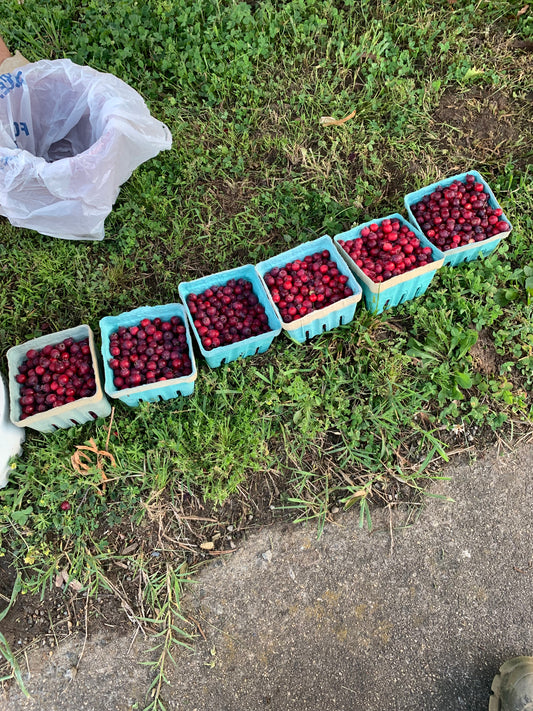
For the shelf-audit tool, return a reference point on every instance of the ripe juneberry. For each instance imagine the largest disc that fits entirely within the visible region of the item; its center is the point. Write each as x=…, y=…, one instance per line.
x=227, y=314
x=55, y=375
x=387, y=249
x=459, y=214
x=138, y=355
x=306, y=285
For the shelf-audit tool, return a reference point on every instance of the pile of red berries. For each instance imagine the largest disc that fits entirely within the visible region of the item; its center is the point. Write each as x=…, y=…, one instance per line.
x=153, y=351
x=227, y=314
x=458, y=214
x=55, y=375
x=387, y=249
x=304, y=286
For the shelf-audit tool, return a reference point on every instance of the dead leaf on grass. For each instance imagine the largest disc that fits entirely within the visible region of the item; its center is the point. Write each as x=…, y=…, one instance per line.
x=359, y=494
x=62, y=578
x=207, y=545
x=330, y=121
x=522, y=11
x=82, y=462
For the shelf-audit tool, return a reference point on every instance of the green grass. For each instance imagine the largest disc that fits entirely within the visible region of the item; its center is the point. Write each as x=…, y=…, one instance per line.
x=352, y=417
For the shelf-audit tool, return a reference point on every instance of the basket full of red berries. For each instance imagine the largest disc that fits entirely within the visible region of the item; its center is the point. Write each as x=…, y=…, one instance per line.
x=230, y=314
x=148, y=354
x=311, y=288
x=460, y=216
x=392, y=260
x=54, y=381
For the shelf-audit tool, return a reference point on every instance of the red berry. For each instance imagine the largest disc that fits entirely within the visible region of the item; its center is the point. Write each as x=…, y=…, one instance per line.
x=470, y=218
x=48, y=372
x=224, y=314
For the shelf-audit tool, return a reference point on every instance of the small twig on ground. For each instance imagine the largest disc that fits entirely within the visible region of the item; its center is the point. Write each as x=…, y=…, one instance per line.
x=519, y=570
x=27, y=662
x=135, y=633
x=193, y=518
x=459, y=450
x=53, y=628
x=199, y=628
x=109, y=428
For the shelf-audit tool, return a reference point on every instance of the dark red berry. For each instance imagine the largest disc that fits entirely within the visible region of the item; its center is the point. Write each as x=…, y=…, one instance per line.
x=304, y=286
x=224, y=314
x=48, y=373
x=140, y=354
x=451, y=222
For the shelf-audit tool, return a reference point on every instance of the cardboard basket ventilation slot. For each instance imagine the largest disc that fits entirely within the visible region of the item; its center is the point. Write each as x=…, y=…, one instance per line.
x=321, y=320
x=83, y=410
x=467, y=252
x=398, y=289
x=149, y=392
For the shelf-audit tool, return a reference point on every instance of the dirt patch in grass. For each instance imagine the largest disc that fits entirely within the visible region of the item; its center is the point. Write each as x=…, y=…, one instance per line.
x=44, y=622
x=481, y=125
x=229, y=198
x=485, y=358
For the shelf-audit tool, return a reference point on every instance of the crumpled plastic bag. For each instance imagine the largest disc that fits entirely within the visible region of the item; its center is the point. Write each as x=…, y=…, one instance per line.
x=70, y=136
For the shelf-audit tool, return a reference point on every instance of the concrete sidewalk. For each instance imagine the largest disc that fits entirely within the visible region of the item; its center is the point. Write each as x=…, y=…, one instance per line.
x=415, y=616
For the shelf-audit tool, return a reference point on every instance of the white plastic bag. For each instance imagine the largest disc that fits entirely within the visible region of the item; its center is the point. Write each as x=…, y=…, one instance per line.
x=11, y=437
x=69, y=137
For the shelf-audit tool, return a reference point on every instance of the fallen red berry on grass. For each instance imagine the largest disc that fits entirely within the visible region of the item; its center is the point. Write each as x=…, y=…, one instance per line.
x=65, y=506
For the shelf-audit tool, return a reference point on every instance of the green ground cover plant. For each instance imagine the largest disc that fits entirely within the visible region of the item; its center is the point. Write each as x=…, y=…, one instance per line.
x=365, y=414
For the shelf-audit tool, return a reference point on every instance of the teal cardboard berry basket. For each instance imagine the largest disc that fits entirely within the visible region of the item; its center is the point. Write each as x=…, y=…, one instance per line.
x=321, y=320
x=149, y=392
x=86, y=409
x=248, y=346
x=398, y=289
x=467, y=252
